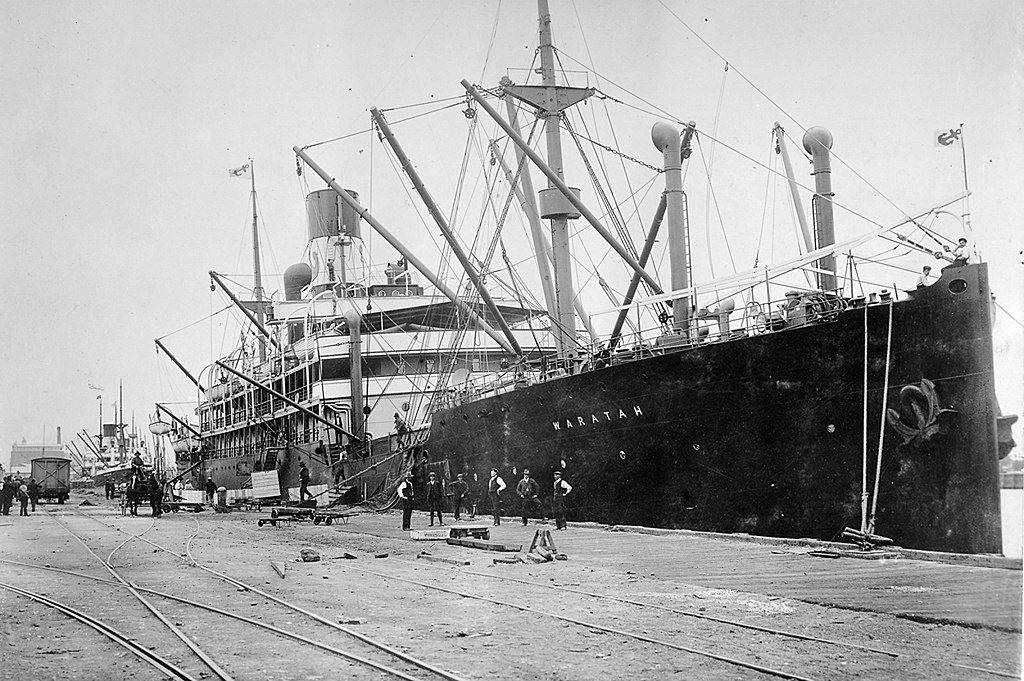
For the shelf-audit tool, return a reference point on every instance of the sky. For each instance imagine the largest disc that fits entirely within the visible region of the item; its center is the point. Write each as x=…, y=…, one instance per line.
x=121, y=119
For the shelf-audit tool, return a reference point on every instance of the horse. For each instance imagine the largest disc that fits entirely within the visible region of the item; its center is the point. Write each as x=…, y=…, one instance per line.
x=136, y=490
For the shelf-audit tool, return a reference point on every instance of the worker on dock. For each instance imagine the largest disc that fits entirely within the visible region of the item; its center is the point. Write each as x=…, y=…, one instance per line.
x=560, y=492
x=405, y=495
x=435, y=498
x=303, y=482
x=211, y=490
x=495, y=486
x=527, y=489
x=33, y=492
x=459, y=491
x=7, y=494
x=23, y=499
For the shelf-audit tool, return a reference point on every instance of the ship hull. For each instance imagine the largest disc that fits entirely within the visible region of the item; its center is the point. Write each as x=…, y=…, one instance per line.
x=765, y=434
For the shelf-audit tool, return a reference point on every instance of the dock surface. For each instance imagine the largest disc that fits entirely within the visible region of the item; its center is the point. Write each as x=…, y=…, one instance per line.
x=624, y=605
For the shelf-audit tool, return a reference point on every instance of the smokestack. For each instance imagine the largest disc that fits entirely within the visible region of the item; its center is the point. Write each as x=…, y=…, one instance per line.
x=58, y=435
x=817, y=142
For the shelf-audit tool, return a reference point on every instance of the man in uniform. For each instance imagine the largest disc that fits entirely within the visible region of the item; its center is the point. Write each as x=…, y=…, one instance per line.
x=211, y=490
x=435, y=499
x=527, y=489
x=303, y=482
x=405, y=495
x=561, y=490
x=459, y=490
x=495, y=486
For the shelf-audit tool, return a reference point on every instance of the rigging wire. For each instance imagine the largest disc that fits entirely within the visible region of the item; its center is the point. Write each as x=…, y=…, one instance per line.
x=709, y=165
x=718, y=209
x=768, y=186
x=781, y=109
x=659, y=111
x=490, y=42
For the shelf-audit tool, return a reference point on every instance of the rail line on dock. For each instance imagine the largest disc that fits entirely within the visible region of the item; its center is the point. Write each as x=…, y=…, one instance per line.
x=162, y=664
x=383, y=647
x=588, y=625
x=226, y=613
x=654, y=606
x=641, y=604
x=174, y=629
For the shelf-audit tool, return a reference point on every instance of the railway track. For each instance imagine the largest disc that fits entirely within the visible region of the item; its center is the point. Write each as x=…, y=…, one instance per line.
x=796, y=636
x=190, y=558
x=692, y=650
x=162, y=664
x=712, y=649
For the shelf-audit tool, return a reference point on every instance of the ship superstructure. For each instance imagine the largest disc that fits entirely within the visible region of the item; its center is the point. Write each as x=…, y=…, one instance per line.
x=346, y=350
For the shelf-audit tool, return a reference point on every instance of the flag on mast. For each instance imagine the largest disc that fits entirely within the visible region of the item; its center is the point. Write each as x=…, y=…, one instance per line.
x=240, y=171
x=945, y=138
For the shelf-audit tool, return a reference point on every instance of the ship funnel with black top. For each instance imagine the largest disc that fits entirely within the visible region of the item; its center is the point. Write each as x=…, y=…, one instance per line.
x=666, y=139
x=817, y=142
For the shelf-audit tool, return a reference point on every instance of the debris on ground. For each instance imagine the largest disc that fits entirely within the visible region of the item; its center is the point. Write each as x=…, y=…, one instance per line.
x=437, y=559
x=486, y=545
x=86, y=502
x=465, y=633
x=309, y=555
x=279, y=568
x=344, y=556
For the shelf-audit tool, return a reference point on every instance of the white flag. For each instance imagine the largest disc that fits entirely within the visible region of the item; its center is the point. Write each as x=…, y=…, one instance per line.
x=239, y=172
x=945, y=138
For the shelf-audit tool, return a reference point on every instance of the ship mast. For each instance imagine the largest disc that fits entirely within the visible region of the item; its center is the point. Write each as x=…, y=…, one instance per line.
x=565, y=318
x=257, y=274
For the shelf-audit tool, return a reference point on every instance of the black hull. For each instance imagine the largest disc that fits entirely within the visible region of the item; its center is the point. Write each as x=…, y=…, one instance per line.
x=764, y=434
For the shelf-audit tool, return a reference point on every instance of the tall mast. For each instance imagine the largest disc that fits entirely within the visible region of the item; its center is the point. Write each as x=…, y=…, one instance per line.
x=550, y=100
x=120, y=418
x=565, y=332
x=257, y=274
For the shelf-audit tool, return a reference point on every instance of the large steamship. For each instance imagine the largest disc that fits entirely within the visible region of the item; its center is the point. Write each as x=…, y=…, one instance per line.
x=801, y=411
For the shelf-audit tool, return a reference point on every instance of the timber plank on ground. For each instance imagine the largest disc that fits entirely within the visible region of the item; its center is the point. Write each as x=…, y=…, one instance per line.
x=486, y=545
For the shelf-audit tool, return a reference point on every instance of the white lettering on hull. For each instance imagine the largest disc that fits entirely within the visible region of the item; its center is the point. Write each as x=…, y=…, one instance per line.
x=609, y=416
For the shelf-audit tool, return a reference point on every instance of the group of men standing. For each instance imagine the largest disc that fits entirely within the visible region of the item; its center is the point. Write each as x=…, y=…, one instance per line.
x=16, y=487
x=528, y=491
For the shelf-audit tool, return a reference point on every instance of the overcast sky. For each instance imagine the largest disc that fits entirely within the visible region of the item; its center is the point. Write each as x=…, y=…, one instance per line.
x=120, y=121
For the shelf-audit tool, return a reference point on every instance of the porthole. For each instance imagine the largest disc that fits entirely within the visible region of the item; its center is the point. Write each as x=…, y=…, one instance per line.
x=622, y=455
x=957, y=286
